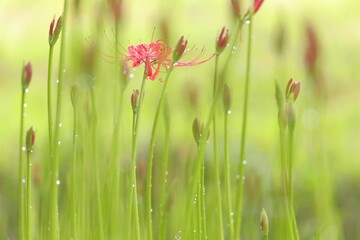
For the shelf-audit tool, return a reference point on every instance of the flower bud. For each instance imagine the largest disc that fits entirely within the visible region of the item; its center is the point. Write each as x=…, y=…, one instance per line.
x=227, y=97
x=222, y=40
x=312, y=50
x=74, y=94
x=54, y=34
x=257, y=5
x=292, y=90
x=134, y=100
x=264, y=223
x=180, y=49
x=196, y=127
x=30, y=139
x=26, y=75
x=236, y=7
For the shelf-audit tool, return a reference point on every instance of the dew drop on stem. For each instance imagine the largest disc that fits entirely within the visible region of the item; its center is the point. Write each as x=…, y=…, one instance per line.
x=26, y=90
x=57, y=81
x=25, y=105
x=247, y=21
x=244, y=162
x=58, y=182
x=23, y=148
x=229, y=112
x=23, y=180
x=59, y=142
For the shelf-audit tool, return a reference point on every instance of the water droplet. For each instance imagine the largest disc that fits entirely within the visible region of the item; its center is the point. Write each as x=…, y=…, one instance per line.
x=30, y=206
x=26, y=90
x=23, y=148
x=133, y=185
x=30, y=164
x=229, y=112
x=60, y=124
x=76, y=136
x=64, y=70
x=232, y=214
x=244, y=162
x=131, y=75
x=151, y=210
x=166, y=173
x=58, y=182
x=59, y=142
x=23, y=180
x=25, y=105
x=57, y=81
x=247, y=21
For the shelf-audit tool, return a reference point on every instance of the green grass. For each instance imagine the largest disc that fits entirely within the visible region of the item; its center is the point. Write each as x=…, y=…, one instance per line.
x=94, y=185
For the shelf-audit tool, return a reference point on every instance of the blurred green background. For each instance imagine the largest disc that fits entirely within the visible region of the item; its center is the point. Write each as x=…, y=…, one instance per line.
x=331, y=128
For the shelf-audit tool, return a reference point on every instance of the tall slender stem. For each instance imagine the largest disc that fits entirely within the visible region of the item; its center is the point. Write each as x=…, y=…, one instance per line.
x=163, y=181
x=49, y=97
x=240, y=178
x=136, y=119
x=216, y=160
x=151, y=157
x=21, y=170
x=28, y=194
x=230, y=212
x=74, y=205
x=54, y=219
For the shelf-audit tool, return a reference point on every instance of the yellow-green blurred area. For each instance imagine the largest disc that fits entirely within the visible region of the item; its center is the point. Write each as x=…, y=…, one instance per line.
x=327, y=137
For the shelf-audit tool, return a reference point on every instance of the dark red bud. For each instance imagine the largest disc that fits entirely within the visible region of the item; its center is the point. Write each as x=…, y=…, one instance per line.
x=30, y=139
x=222, y=39
x=180, y=49
x=135, y=99
x=26, y=75
x=51, y=29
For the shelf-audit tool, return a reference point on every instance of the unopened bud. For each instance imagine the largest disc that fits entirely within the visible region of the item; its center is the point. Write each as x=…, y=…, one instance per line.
x=134, y=100
x=196, y=128
x=222, y=40
x=257, y=5
x=264, y=223
x=26, y=75
x=236, y=7
x=180, y=49
x=292, y=90
x=30, y=139
x=227, y=98
x=54, y=33
x=74, y=94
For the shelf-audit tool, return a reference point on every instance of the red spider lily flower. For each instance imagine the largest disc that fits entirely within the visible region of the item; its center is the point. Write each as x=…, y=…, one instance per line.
x=156, y=55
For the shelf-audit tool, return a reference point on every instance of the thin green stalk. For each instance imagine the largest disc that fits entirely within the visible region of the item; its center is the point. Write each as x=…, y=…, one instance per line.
x=21, y=171
x=216, y=161
x=54, y=219
x=151, y=157
x=227, y=177
x=240, y=179
x=49, y=97
x=198, y=208
x=163, y=180
x=290, y=185
x=97, y=167
x=284, y=176
x=74, y=205
x=202, y=200
x=28, y=194
x=136, y=119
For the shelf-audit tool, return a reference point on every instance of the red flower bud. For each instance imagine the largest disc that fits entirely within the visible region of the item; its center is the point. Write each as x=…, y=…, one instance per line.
x=257, y=5
x=26, y=75
x=135, y=99
x=222, y=39
x=180, y=49
x=292, y=90
x=30, y=139
x=196, y=128
x=54, y=33
x=264, y=223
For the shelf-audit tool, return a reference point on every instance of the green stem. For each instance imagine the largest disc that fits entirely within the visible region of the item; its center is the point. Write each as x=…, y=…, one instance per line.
x=97, y=166
x=136, y=119
x=291, y=185
x=54, y=220
x=240, y=179
x=163, y=181
x=151, y=157
x=28, y=195
x=21, y=171
x=74, y=205
x=227, y=178
x=284, y=177
x=216, y=160
x=49, y=98
x=202, y=200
